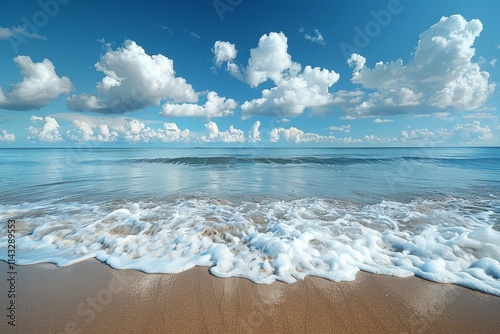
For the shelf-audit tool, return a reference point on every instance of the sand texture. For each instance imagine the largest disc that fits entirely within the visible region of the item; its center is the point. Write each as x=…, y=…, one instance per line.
x=90, y=297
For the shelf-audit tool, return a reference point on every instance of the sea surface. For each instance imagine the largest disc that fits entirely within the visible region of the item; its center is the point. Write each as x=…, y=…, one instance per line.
x=263, y=214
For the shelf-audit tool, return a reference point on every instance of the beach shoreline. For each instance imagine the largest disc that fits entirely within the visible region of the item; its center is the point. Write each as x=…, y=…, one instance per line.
x=91, y=297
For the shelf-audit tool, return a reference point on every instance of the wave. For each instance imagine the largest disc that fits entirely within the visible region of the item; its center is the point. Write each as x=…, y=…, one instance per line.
x=305, y=160
x=449, y=240
x=205, y=161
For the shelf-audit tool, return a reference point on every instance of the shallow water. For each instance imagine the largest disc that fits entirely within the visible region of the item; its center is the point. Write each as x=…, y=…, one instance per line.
x=264, y=214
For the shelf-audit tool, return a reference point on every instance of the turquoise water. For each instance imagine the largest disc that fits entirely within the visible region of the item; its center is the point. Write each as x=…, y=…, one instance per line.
x=263, y=214
x=363, y=175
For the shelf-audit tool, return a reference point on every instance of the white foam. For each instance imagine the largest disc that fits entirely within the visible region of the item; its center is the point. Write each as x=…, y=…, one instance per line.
x=448, y=240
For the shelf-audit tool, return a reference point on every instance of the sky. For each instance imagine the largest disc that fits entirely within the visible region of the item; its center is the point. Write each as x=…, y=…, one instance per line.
x=237, y=73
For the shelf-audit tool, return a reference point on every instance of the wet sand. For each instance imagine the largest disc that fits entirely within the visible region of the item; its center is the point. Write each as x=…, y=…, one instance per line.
x=91, y=297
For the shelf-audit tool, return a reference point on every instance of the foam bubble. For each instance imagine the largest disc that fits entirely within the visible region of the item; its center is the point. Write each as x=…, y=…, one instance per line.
x=449, y=240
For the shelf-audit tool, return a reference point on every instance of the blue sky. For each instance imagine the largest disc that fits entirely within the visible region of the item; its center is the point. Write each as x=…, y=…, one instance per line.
x=241, y=72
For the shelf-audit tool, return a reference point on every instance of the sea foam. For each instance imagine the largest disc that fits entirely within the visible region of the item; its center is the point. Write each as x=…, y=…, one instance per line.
x=447, y=240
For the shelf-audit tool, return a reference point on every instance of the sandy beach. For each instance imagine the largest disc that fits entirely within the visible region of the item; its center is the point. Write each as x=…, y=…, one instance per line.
x=91, y=297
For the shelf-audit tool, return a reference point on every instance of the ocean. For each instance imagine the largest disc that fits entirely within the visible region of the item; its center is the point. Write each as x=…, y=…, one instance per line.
x=265, y=214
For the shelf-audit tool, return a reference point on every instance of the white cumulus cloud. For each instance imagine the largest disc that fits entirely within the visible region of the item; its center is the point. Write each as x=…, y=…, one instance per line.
x=232, y=135
x=293, y=94
x=216, y=106
x=137, y=131
x=225, y=52
x=440, y=76
x=6, y=136
x=110, y=129
x=172, y=133
x=269, y=59
x=466, y=133
x=49, y=131
x=133, y=80
x=297, y=136
x=254, y=133
x=88, y=131
x=40, y=85
x=474, y=131
x=295, y=88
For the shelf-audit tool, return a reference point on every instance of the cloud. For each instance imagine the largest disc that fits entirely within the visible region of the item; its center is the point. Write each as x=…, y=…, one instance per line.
x=441, y=115
x=295, y=89
x=267, y=61
x=440, y=76
x=18, y=32
x=100, y=129
x=5, y=136
x=423, y=135
x=115, y=123
x=470, y=133
x=292, y=95
x=232, y=135
x=192, y=34
x=215, y=106
x=88, y=128
x=358, y=62
x=225, y=52
x=297, y=136
x=466, y=133
x=383, y=120
x=136, y=131
x=133, y=80
x=283, y=120
x=105, y=134
x=478, y=115
x=40, y=85
x=87, y=131
x=474, y=131
x=167, y=29
x=48, y=132
x=483, y=61
x=343, y=128
x=316, y=38
x=254, y=133
x=172, y=133
x=376, y=139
